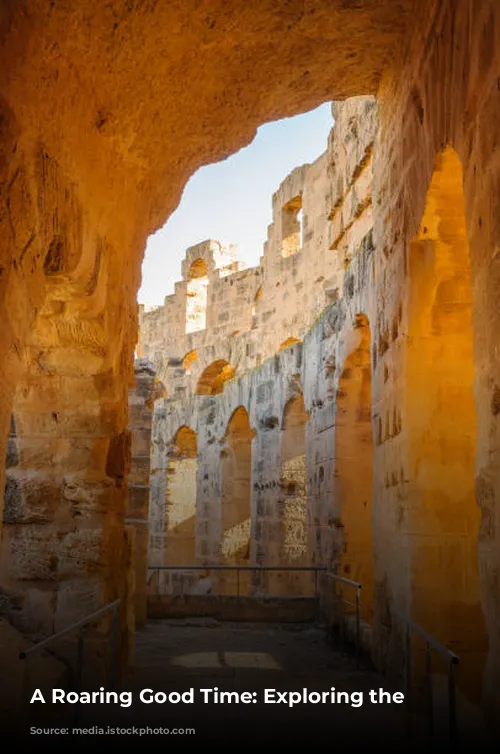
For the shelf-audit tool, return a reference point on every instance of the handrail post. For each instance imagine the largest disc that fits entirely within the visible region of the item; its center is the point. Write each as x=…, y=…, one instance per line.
x=409, y=680
x=452, y=708
x=114, y=648
x=431, y=643
x=358, y=628
x=237, y=582
x=428, y=680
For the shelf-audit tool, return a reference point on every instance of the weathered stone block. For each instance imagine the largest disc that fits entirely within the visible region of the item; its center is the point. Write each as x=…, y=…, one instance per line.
x=30, y=498
x=141, y=442
x=138, y=501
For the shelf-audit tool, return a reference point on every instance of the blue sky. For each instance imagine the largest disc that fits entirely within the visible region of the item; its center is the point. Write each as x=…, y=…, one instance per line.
x=230, y=201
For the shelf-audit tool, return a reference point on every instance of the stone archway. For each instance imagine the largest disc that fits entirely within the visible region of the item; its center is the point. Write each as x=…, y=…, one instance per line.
x=213, y=377
x=180, y=501
x=189, y=359
x=236, y=475
x=442, y=427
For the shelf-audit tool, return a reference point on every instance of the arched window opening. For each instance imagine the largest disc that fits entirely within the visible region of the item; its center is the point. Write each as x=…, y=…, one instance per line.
x=353, y=482
x=196, y=297
x=212, y=379
x=236, y=472
x=442, y=428
x=291, y=226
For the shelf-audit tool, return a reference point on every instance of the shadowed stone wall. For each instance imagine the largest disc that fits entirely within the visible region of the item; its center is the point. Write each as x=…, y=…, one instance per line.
x=141, y=397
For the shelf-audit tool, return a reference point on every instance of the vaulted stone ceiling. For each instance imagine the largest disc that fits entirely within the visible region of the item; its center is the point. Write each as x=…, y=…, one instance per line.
x=131, y=96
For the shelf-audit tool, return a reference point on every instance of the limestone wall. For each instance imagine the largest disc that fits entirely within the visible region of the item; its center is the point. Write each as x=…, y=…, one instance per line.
x=251, y=314
x=103, y=119
x=412, y=334
x=145, y=390
x=288, y=393
x=436, y=169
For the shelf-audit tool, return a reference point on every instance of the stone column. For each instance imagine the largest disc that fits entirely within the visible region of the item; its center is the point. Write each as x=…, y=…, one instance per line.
x=266, y=471
x=146, y=390
x=64, y=551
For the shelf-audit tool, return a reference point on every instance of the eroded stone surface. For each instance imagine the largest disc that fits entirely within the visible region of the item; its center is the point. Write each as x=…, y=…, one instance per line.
x=256, y=388
x=146, y=389
x=104, y=117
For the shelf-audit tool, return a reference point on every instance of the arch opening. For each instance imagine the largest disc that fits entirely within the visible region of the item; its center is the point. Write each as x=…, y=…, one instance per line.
x=442, y=427
x=180, y=499
x=236, y=473
x=214, y=376
x=353, y=483
x=291, y=227
x=189, y=360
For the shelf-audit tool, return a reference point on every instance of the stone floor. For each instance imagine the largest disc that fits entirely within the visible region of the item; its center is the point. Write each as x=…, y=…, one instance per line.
x=244, y=657
x=175, y=656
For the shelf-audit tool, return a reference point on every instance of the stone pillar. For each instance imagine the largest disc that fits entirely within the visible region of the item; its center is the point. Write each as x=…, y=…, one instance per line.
x=266, y=470
x=64, y=550
x=146, y=390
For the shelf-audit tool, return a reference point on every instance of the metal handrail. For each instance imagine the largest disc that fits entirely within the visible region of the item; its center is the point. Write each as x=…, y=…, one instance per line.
x=314, y=569
x=342, y=580
x=452, y=659
x=217, y=567
x=238, y=568
x=80, y=626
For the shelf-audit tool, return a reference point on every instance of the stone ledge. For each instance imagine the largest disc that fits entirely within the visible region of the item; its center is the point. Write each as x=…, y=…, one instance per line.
x=228, y=608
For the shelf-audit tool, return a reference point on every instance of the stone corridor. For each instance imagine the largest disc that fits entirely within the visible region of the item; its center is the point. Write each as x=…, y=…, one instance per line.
x=252, y=657
x=338, y=404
